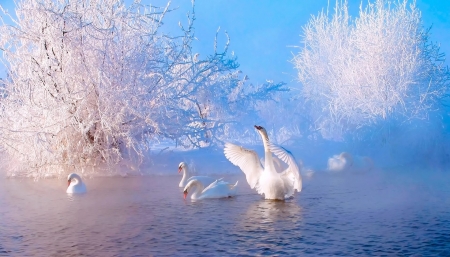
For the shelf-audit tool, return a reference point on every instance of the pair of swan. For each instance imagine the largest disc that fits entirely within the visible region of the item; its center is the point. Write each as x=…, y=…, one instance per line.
x=203, y=186
x=75, y=184
x=347, y=162
x=271, y=180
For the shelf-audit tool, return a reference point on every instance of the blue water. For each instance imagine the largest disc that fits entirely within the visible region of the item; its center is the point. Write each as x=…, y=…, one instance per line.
x=379, y=213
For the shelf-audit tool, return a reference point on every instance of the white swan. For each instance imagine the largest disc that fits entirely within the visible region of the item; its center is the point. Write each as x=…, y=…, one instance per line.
x=347, y=162
x=217, y=189
x=182, y=167
x=277, y=185
x=75, y=184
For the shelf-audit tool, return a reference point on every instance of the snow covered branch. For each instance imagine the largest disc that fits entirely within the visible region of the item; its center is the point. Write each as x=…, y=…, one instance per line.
x=92, y=82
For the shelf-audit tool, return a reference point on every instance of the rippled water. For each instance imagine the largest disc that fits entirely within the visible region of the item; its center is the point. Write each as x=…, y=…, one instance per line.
x=336, y=214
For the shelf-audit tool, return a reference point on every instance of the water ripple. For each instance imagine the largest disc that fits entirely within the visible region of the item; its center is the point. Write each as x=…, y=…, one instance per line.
x=142, y=216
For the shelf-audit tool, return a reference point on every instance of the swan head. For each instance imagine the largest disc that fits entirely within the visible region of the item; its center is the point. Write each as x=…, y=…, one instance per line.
x=347, y=157
x=73, y=176
x=181, y=166
x=261, y=130
x=187, y=187
x=194, y=183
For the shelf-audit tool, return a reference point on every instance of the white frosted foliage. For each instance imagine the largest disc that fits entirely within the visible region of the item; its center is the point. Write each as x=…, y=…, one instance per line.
x=90, y=83
x=358, y=71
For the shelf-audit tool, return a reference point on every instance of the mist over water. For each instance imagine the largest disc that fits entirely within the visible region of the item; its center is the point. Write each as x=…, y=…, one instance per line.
x=402, y=212
x=127, y=151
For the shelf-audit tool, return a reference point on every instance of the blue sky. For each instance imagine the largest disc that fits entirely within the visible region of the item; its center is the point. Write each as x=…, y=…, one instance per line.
x=264, y=32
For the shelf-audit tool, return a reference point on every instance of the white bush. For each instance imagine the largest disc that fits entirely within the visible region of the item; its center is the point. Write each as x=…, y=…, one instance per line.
x=357, y=72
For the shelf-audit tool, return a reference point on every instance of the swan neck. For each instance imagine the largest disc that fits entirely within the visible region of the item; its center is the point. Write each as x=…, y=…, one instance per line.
x=75, y=180
x=268, y=159
x=198, y=188
x=185, y=174
x=265, y=139
x=268, y=162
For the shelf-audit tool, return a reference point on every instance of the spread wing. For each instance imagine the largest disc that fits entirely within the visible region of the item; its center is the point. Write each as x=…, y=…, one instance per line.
x=212, y=185
x=247, y=160
x=291, y=175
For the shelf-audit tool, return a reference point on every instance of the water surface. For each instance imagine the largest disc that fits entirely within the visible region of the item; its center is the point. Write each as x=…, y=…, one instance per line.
x=335, y=215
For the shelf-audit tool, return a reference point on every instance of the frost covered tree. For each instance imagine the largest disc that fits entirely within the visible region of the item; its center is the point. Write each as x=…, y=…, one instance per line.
x=91, y=82
x=360, y=71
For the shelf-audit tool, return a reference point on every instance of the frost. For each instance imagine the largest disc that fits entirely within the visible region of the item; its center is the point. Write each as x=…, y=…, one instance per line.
x=358, y=72
x=91, y=83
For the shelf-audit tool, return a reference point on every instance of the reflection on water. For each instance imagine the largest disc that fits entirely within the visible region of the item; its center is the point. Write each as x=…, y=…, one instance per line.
x=270, y=227
x=343, y=215
x=272, y=211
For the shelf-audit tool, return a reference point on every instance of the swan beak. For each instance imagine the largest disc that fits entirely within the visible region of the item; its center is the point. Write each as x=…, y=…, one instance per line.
x=179, y=169
x=258, y=127
x=185, y=192
x=68, y=182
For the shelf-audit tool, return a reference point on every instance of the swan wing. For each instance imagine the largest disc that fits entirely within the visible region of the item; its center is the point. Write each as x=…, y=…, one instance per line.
x=217, y=189
x=291, y=175
x=247, y=160
x=77, y=189
x=213, y=184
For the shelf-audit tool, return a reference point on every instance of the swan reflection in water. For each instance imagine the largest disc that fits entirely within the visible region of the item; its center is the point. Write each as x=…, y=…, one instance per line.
x=268, y=212
x=268, y=227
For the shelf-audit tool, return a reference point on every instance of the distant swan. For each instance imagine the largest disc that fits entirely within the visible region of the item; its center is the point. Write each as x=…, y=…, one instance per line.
x=347, y=162
x=274, y=184
x=217, y=189
x=75, y=184
x=182, y=167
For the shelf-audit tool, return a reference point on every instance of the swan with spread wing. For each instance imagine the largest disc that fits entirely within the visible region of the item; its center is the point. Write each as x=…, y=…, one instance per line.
x=267, y=180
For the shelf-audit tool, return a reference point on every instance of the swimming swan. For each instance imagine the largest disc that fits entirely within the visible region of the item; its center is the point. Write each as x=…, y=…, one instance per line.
x=276, y=185
x=217, y=189
x=347, y=162
x=75, y=184
x=182, y=167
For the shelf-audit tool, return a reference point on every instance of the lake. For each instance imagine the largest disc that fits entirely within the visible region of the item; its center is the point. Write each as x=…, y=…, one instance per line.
x=379, y=213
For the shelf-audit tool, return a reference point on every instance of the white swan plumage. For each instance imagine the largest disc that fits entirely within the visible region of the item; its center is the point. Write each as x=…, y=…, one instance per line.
x=217, y=189
x=268, y=181
x=346, y=162
x=75, y=184
x=182, y=167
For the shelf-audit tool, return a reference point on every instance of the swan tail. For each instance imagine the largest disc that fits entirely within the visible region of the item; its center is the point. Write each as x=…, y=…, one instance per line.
x=233, y=189
x=231, y=186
